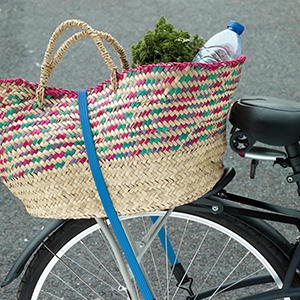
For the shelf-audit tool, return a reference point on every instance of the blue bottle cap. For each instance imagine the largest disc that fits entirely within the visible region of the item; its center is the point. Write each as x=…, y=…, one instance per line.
x=236, y=27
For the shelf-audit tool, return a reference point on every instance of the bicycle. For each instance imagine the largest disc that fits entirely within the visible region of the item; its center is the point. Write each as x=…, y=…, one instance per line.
x=217, y=247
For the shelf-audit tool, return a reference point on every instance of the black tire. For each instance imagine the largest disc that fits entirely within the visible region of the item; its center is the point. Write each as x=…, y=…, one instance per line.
x=248, y=240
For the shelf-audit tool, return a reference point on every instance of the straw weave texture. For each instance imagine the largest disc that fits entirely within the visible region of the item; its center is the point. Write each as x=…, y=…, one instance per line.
x=159, y=137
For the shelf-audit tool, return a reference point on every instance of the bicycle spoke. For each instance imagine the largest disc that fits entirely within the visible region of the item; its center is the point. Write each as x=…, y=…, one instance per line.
x=66, y=265
x=181, y=240
x=238, y=281
x=115, y=261
x=214, y=265
x=178, y=250
x=153, y=260
x=101, y=264
x=107, y=246
x=50, y=294
x=232, y=271
x=192, y=261
x=68, y=285
x=107, y=274
x=93, y=275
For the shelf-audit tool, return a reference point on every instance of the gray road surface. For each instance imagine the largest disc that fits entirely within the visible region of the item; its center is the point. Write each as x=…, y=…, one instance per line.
x=271, y=43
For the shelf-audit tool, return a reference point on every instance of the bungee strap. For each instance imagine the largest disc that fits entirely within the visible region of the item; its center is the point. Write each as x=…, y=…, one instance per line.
x=105, y=197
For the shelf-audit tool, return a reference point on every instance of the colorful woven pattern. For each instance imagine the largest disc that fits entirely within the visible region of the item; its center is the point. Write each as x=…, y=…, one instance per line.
x=159, y=138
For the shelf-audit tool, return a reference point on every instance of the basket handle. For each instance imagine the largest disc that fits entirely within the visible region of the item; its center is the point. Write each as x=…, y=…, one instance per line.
x=48, y=65
x=83, y=34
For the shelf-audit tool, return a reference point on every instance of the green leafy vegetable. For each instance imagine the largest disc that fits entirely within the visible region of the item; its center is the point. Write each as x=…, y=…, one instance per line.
x=165, y=45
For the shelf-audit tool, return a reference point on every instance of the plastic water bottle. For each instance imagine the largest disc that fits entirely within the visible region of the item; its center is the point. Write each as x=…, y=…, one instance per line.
x=225, y=45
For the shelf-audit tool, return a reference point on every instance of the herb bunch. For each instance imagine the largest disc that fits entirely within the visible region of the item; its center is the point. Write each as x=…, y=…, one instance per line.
x=165, y=44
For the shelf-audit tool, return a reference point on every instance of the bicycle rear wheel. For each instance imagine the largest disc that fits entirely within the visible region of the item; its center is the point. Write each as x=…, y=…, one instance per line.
x=217, y=252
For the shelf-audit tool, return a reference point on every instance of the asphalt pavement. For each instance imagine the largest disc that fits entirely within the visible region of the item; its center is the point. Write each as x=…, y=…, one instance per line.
x=271, y=43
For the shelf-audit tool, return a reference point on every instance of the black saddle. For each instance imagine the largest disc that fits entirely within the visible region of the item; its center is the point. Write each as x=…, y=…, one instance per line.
x=268, y=120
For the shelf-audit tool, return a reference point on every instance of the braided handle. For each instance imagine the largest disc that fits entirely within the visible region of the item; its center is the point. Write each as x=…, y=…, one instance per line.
x=48, y=65
x=83, y=34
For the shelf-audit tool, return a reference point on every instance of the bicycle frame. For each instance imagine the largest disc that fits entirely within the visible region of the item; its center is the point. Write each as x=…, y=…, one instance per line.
x=273, y=212
x=217, y=201
x=220, y=203
x=139, y=249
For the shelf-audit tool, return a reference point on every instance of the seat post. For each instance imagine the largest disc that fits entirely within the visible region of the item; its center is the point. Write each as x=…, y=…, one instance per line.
x=293, y=152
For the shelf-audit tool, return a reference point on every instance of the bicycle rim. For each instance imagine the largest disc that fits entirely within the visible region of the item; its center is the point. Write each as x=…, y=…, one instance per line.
x=77, y=262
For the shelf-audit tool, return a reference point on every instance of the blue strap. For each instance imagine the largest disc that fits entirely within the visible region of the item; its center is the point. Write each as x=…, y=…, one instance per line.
x=105, y=198
x=164, y=239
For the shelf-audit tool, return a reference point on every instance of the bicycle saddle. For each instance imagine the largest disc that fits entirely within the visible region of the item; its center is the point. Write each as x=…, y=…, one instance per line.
x=268, y=120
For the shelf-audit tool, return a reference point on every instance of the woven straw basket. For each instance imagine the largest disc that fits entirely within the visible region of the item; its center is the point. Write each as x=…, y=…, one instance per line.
x=159, y=133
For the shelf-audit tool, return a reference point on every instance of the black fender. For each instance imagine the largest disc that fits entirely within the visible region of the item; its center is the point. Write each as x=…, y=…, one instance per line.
x=205, y=203
x=34, y=244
